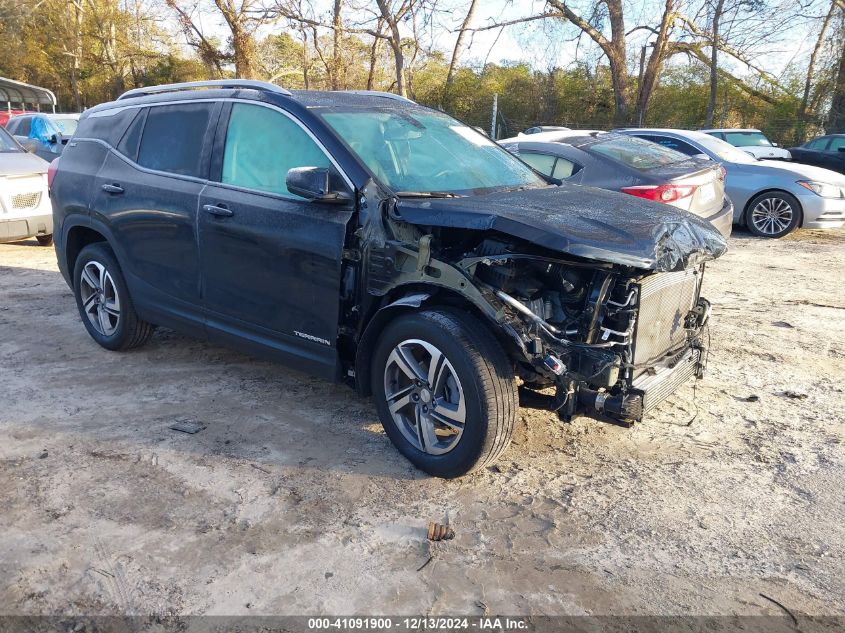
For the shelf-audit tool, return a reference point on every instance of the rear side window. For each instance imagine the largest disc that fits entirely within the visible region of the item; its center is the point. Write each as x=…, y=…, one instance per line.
x=107, y=125
x=837, y=143
x=637, y=153
x=544, y=163
x=262, y=145
x=21, y=125
x=672, y=143
x=132, y=138
x=173, y=138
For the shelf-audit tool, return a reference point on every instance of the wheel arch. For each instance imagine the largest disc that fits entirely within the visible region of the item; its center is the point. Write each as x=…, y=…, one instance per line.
x=754, y=196
x=414, y=297
x=79, y=232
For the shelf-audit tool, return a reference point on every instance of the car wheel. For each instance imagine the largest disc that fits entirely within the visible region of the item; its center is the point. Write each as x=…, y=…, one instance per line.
x=773, y=214
x=45, y=240
x=445, y=391
x=104, y=303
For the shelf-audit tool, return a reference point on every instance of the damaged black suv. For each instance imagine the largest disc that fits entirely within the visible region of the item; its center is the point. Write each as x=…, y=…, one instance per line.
x=362, y=237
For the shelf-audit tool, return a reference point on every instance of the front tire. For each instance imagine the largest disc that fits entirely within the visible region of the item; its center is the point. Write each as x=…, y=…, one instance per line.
x=45, y=240
x=773, y=214
x=103, y=300
x=445, y=391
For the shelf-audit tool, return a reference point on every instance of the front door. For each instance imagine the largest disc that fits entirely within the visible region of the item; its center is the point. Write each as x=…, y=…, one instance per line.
x=270, y=260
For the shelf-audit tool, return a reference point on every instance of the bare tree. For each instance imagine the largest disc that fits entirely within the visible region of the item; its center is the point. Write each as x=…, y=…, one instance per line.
x=459, y=42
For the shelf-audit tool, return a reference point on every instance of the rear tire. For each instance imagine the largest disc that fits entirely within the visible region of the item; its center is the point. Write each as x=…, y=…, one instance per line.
x=45, y=240
x=103, y=300
x=445, y=391
x=773, y=214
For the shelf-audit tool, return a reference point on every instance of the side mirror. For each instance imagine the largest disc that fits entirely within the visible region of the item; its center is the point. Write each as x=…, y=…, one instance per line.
x=314, y=183
x=29, y=145
x=840, y=149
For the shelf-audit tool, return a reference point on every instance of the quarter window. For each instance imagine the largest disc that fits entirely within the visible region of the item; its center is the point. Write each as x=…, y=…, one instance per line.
x=564, y=169
x=544, y=163
x=173, y=138
x=262, y=145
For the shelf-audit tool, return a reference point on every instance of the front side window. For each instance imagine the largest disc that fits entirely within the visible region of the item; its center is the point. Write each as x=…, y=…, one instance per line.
x=747, y=139
x=426, y=152
x=173, y=138
x=262, y=145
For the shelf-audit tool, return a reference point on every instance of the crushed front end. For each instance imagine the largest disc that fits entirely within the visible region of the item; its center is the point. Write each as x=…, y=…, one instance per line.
x=614, y=341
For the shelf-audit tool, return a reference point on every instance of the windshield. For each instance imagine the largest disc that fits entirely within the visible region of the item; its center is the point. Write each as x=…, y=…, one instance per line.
x=747, y=139
x=723, y=151
x=637, y=153
x=429, y=153
x=7, y=143
x=66, y=126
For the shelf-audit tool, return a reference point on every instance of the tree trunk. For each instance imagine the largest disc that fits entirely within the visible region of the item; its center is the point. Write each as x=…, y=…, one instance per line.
x=456, y=52
x=651, y=74
x=374, y=53
x=714, y=66
x=395, y=40
x=811, y=67
x=337, y=63
x=243, y=47
x=836, y=120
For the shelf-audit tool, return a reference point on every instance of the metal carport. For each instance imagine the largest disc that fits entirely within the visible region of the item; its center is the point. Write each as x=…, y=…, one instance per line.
x=25, y=95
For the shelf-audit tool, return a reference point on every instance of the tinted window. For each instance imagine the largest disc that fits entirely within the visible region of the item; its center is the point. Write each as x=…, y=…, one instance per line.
x=129, y=143
x=836, y=143
x=262, y=145
x=640, y=154
x=67, y=126
x=20, y=125
x=544, y=163
x=671, y=143
x=819, y=143
x=108, y=125
x=173, y=138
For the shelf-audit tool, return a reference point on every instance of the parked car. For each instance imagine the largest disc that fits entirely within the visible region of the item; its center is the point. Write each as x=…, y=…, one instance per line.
x=630, y=165
x=771, y=198
x=6, y=115
x=539, y=129
x=43, y=134
x=825, y=151
x=752, y=141
x=363, y=237
x=24, y=203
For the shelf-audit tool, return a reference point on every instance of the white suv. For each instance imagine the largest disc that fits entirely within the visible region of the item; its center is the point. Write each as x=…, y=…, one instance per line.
x=751, y=141
x=25, y=209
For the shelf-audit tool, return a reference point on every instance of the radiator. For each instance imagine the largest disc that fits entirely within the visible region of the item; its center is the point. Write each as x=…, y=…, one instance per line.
x=659, y=384
x=665, y=299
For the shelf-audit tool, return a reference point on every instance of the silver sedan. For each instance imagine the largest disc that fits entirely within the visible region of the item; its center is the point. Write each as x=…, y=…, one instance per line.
x=771, y=198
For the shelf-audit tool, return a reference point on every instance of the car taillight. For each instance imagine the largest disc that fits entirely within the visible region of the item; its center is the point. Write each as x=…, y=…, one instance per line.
x=661, y=193
x=724, y=171
x=51, y=172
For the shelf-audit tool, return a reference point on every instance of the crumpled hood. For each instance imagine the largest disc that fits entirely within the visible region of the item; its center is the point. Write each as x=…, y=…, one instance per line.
x=581, y=221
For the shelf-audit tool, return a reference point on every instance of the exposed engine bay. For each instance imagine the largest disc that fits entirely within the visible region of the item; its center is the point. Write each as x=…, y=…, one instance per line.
x=611, y=340
x=600, y=334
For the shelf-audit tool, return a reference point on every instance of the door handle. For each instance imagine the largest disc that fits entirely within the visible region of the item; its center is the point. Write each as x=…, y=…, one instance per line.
x=115, y=188
x=222, y=210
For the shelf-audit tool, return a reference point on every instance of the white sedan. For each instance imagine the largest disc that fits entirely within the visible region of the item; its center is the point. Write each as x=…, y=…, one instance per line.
x=751, y=141
x=25, y=209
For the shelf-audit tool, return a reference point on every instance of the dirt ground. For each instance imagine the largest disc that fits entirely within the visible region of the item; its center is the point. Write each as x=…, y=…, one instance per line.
x=293, y=501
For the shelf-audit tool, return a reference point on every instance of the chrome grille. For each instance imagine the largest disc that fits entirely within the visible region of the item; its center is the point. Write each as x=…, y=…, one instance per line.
x=665, y=299
x=26, y=200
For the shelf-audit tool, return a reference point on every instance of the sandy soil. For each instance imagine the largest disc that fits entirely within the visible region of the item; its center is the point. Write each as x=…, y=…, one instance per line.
x=293, y=501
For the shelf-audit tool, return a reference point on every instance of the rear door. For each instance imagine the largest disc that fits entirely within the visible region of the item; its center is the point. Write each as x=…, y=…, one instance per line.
x=270, y=260
x=147, y=192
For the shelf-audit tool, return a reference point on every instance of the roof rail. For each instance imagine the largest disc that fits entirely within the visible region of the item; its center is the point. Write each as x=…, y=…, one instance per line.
x=212, y=83
x=379, y=93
